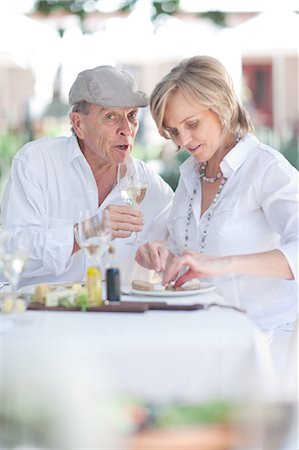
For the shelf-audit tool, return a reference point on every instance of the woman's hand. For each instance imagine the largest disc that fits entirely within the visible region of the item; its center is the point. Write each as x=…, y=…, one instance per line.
x=152, y=255
x=124, y=220
x=271, y=264
x=198, y=266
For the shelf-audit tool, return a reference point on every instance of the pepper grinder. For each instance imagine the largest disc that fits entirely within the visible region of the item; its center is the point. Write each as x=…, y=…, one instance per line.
x=112, y=279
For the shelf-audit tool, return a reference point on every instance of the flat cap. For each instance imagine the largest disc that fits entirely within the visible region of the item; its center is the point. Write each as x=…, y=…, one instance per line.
x=108, y=87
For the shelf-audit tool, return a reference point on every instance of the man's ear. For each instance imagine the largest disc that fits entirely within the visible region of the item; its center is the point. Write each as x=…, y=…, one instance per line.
x=78, y=125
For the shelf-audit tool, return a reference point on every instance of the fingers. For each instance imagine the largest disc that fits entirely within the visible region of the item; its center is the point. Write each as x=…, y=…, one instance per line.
x=152, y=255
x=188, y=275
x=124, y=220
x=171, y=269
x=176, y=263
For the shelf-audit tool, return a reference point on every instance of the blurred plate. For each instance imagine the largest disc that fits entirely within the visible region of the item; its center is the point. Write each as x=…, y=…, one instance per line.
x=162, y=292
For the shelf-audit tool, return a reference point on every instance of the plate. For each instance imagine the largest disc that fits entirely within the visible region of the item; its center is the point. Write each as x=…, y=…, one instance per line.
x=162, y=292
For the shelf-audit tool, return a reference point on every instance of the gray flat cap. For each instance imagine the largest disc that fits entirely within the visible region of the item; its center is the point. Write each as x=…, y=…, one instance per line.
x=108, y=87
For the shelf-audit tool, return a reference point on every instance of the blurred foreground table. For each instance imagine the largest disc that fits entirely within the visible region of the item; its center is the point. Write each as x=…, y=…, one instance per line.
x=64, y=375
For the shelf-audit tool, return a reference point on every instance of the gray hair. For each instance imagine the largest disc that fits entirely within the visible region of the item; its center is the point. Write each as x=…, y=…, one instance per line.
x=80, y=107
x=203, y=79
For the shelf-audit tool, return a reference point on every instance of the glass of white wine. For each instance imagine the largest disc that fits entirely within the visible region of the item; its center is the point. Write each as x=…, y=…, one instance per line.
x=94, y=234
x=14, y=251
x=133, y=185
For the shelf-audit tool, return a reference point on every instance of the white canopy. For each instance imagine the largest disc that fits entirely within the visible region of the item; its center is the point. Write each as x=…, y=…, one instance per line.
x=267, y=33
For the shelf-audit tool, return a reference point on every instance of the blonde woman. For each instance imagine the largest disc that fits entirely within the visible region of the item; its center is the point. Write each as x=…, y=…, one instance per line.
x=234, y=217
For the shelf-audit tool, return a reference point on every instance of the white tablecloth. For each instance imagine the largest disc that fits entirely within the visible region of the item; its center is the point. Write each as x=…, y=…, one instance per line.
x=156, y=355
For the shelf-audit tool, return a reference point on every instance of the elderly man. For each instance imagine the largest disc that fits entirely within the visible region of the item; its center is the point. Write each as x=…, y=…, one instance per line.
x=53, y=179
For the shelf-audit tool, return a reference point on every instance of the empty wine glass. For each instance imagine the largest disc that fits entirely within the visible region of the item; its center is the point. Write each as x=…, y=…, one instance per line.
x=14, y=251
x=133, y=185
x=93, y=234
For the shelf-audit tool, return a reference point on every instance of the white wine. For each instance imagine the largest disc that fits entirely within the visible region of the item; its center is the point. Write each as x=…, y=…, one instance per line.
x=133, y=195
x=13, y=264
x=95, y=247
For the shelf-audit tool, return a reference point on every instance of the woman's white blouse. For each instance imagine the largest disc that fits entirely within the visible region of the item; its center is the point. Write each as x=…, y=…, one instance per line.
x=257, y=211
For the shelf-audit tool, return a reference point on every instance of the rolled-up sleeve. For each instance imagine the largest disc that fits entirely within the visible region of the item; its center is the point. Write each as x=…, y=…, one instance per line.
x=279, y=199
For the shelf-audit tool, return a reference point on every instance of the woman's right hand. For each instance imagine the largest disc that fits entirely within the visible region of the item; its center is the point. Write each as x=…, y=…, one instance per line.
x=153, y=255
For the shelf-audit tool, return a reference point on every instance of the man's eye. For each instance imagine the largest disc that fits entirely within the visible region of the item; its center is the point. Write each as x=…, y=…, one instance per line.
x=110, y=116
x=133, y=115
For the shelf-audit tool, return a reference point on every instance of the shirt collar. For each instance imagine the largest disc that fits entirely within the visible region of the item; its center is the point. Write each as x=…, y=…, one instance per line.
x=73, y=148
x=189, y=171
x=237, y=155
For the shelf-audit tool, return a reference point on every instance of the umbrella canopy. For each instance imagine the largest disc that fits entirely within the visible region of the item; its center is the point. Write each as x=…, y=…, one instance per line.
x=263, y=33
x=26, y=43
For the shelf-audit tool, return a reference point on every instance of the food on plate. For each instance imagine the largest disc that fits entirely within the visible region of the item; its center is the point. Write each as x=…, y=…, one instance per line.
x=63, y=297
x=40, y=293
x=7, y=305
x=20, y=306
x=186, y=287
x=77, y=287
x=142, y=285
x=74, y=295
x=82, y=299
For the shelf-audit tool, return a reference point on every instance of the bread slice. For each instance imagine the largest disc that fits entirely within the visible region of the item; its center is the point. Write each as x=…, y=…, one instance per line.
x=142, y=285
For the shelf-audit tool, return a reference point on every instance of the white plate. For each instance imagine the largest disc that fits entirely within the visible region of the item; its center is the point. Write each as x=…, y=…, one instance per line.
x=162, y=292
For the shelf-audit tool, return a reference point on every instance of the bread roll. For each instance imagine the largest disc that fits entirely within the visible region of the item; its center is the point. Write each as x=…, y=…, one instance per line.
x=142, y=285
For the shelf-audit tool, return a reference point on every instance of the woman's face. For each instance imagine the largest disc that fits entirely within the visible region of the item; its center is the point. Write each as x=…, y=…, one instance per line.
x=193, y=127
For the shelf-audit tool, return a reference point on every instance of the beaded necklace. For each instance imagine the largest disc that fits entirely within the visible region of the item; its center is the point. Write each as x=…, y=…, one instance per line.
x=209, y=216
x=202, y=174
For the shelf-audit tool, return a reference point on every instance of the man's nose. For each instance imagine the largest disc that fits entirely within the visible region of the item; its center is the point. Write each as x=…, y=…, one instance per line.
x=125, y=127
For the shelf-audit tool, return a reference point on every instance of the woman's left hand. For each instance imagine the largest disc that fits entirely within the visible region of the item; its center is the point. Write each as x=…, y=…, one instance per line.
x=198, y=266
x=152, y=255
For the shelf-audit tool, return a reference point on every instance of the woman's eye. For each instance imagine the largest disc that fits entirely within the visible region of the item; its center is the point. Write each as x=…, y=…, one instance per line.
x=173, y=133
x=193, y=125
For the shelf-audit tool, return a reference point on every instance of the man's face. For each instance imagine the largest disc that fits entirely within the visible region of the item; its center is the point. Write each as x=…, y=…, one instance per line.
x=107, y=133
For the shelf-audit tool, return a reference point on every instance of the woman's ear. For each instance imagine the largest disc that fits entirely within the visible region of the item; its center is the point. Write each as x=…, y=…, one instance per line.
x=77, y=124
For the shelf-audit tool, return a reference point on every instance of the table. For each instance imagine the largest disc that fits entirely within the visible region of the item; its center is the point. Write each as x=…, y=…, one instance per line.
x=157, y=356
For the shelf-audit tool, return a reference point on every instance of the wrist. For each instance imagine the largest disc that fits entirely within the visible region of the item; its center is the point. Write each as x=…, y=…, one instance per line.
x=230, y=263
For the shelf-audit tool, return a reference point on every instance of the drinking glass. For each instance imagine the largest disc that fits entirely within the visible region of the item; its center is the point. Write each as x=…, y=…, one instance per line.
x=133, y=186
x=14, y=251
x=94, y=234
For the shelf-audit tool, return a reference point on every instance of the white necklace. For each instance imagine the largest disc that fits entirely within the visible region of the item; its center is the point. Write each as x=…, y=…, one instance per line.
x=209, y=216
x=202, y=173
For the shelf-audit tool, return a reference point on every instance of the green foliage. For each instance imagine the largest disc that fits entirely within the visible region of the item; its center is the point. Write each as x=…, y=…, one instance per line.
x=218, y=17
x=71, y=6
x=179, y=415
x=160, y=8
x=10, y=142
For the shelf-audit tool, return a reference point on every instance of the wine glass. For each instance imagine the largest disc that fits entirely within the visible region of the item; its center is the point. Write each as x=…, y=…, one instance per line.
x=14, y=250
x=93, y=234
x=133, y=186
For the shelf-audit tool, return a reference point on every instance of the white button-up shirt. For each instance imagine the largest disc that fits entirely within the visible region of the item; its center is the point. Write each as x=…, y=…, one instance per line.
x=50, y=182
x=256, y=211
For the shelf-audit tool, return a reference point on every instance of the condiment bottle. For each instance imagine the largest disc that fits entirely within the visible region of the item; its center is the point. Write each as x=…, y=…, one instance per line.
x=113, y=284
x=112, y=278
x=94, y=286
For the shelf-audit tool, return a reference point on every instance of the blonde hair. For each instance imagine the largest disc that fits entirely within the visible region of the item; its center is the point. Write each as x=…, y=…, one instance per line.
x=203, y=79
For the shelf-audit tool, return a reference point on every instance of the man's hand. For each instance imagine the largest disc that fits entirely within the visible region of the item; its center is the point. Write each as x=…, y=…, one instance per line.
x=152, y=255
x=124, y=220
